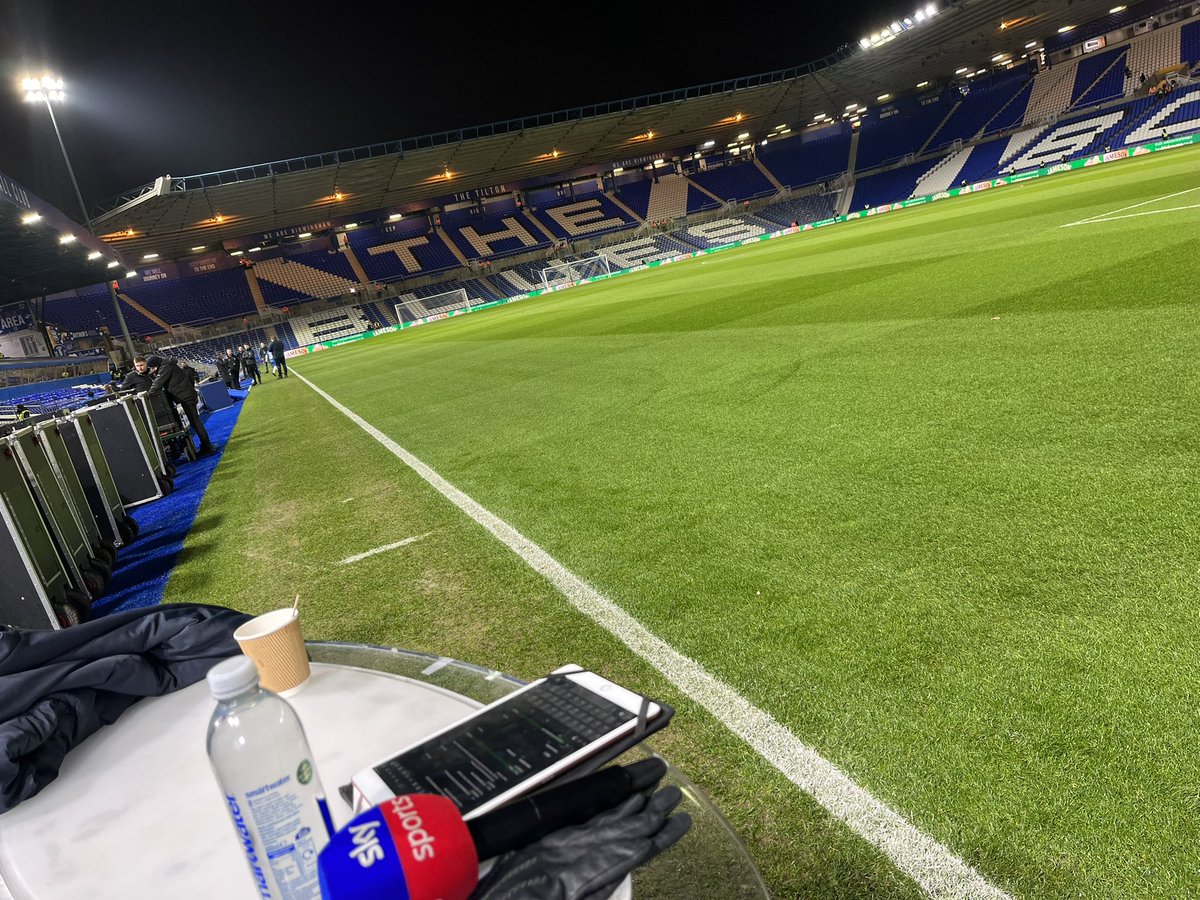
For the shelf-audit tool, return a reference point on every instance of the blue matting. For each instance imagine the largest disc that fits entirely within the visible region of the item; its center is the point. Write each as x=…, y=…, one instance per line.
x=143, y=567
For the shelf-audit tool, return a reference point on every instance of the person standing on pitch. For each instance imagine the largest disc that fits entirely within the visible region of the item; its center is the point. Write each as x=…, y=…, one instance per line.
x=278, y=357
x=250, y=364
x=233, y=370
x=267, y=359
x=180, y=386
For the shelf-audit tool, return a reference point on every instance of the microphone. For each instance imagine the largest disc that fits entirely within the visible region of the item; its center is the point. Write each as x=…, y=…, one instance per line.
x=418, y=846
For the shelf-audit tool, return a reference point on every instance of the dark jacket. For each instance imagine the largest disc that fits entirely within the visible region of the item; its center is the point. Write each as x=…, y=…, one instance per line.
x=249, y=361
x=136, y=381
x=176, y=381
x=58, y=687
x=275, y=348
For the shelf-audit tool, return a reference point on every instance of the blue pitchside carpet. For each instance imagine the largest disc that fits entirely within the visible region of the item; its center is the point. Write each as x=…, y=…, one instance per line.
x=143, y=567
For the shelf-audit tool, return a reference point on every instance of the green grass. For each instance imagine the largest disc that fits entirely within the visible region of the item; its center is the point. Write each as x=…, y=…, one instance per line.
x=921, y=486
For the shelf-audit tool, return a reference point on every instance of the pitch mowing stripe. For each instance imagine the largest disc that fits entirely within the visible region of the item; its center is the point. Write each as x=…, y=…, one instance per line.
x=932, y=866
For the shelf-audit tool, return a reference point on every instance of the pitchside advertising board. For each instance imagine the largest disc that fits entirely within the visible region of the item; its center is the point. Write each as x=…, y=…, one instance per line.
x=18, y=334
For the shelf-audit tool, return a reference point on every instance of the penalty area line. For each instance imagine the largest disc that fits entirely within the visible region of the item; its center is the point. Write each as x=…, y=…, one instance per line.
x=1149, y=212
x=1104, y=217
x=933, y=866
x=384, y=549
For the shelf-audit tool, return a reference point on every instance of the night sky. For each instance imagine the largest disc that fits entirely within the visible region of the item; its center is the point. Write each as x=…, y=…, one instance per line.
x=157, y=88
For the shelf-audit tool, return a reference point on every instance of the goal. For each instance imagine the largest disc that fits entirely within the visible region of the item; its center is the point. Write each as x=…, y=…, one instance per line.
x=574, y=272
x=420, y=307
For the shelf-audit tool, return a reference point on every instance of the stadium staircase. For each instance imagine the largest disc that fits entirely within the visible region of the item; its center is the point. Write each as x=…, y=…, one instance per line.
x=617, y=202
x=940, y=126
x=767, y=174
x=546, y=232
x=668, y=198
x=1106, y=85
x=356, y=266
x=852, y=160
x=1151, y=53
x=145, y=312
x=260, y=302
x=706, y=192
x=1004, y=117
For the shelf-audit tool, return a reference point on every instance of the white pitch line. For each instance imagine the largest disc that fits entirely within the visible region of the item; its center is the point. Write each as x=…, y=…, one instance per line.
x=384, y=549
x=1106, y=215
x=1149, y=212
x=934, y=867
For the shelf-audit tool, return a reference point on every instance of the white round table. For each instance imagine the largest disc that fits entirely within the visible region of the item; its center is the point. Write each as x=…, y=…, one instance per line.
x=136, y=811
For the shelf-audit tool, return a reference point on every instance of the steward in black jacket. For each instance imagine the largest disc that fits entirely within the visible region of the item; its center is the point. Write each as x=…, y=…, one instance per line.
x=180, y=385
x=139, y=377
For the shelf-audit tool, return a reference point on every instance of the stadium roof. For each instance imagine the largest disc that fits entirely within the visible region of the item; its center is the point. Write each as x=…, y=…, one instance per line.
x=172, y=217
x=42, y=251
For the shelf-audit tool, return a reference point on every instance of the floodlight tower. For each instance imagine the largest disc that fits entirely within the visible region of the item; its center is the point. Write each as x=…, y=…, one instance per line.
x=49, y=90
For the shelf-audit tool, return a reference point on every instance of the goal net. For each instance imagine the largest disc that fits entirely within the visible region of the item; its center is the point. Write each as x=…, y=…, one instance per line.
x=420, y=307
x=576, y=271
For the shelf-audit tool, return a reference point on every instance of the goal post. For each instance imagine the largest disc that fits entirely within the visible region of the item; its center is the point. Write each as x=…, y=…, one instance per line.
x=420, y=307
x=578, y=270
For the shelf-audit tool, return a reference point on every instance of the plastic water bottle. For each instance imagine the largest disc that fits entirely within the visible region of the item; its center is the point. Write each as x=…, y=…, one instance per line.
x=261, y=758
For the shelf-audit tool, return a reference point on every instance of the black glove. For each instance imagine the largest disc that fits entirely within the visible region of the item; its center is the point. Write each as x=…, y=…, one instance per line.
x=589, y=861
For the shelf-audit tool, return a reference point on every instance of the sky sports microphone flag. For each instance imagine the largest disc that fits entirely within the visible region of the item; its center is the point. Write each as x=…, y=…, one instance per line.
x=413, y=847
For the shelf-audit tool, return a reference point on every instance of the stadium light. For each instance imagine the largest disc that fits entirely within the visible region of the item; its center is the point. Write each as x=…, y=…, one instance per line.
x=304, y=234
x=255, y=249
x=999, y=56
x=95, y=254
x=1066, y=28
x=707, y=144
x=1115, y=10
x=235, y=252
x=50, y=89
x=743, y=136
x=30, y=218
x=884, y=97
x=923, y=84
x=395, y=217
x=113, y=264
x=350, y=225
x=197, y=249
x=66, y=239
x=131, y=274
x=150, y=256
x=961, y=71
x=1031, y=45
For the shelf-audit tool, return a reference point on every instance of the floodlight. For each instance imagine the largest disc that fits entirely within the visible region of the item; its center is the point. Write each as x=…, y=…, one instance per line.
x=960, y=71
x=131, y=274
x=150, y=256
x=865, y=43
x=304, y=234
x=255, y=249
x=197, y=249
x=896, y=29
x=920, y=15
x=350, y=225
x=113, y=264
x=908, y=23
x=853, y=105
x=1031, y=45
x=30, y=218
x=743, y=135
x=66, y=238
x=923, y=84
x=884, y=97
x=708, y=144
x=235, y=252
x=395, y=217
x=1115, y=10
x=1066, y=28
x=931, y=10
x=95, y=254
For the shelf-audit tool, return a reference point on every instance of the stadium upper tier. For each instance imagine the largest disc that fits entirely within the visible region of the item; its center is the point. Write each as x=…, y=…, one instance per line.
x=1001, y=122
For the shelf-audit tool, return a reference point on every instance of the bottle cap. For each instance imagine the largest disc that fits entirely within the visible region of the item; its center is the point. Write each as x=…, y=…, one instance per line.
x=231, y=677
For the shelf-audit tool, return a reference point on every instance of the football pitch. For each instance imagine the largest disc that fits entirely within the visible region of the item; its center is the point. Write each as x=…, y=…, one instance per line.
x=920, y=488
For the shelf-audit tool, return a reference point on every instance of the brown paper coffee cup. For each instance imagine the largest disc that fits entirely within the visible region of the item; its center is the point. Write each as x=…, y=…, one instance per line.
x=274, y=642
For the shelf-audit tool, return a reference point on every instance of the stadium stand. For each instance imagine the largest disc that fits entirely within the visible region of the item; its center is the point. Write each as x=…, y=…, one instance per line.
x=307, y=276
x=1051, y=92
x=739, y=181
x=977, y=109
x=720, y=232
x=670, y=198
x=641, y=250
x=802, y=210
x=481, y=236
x=887, y=187
x=88, y=309
x=1090, y=74
x=636, y=195
x=403, y=250
x=1189, y=44
x=1011, y=114
x=589, y=217
x=819, y=154
x=882, y=141
x=196, y=298
x=328, y=325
